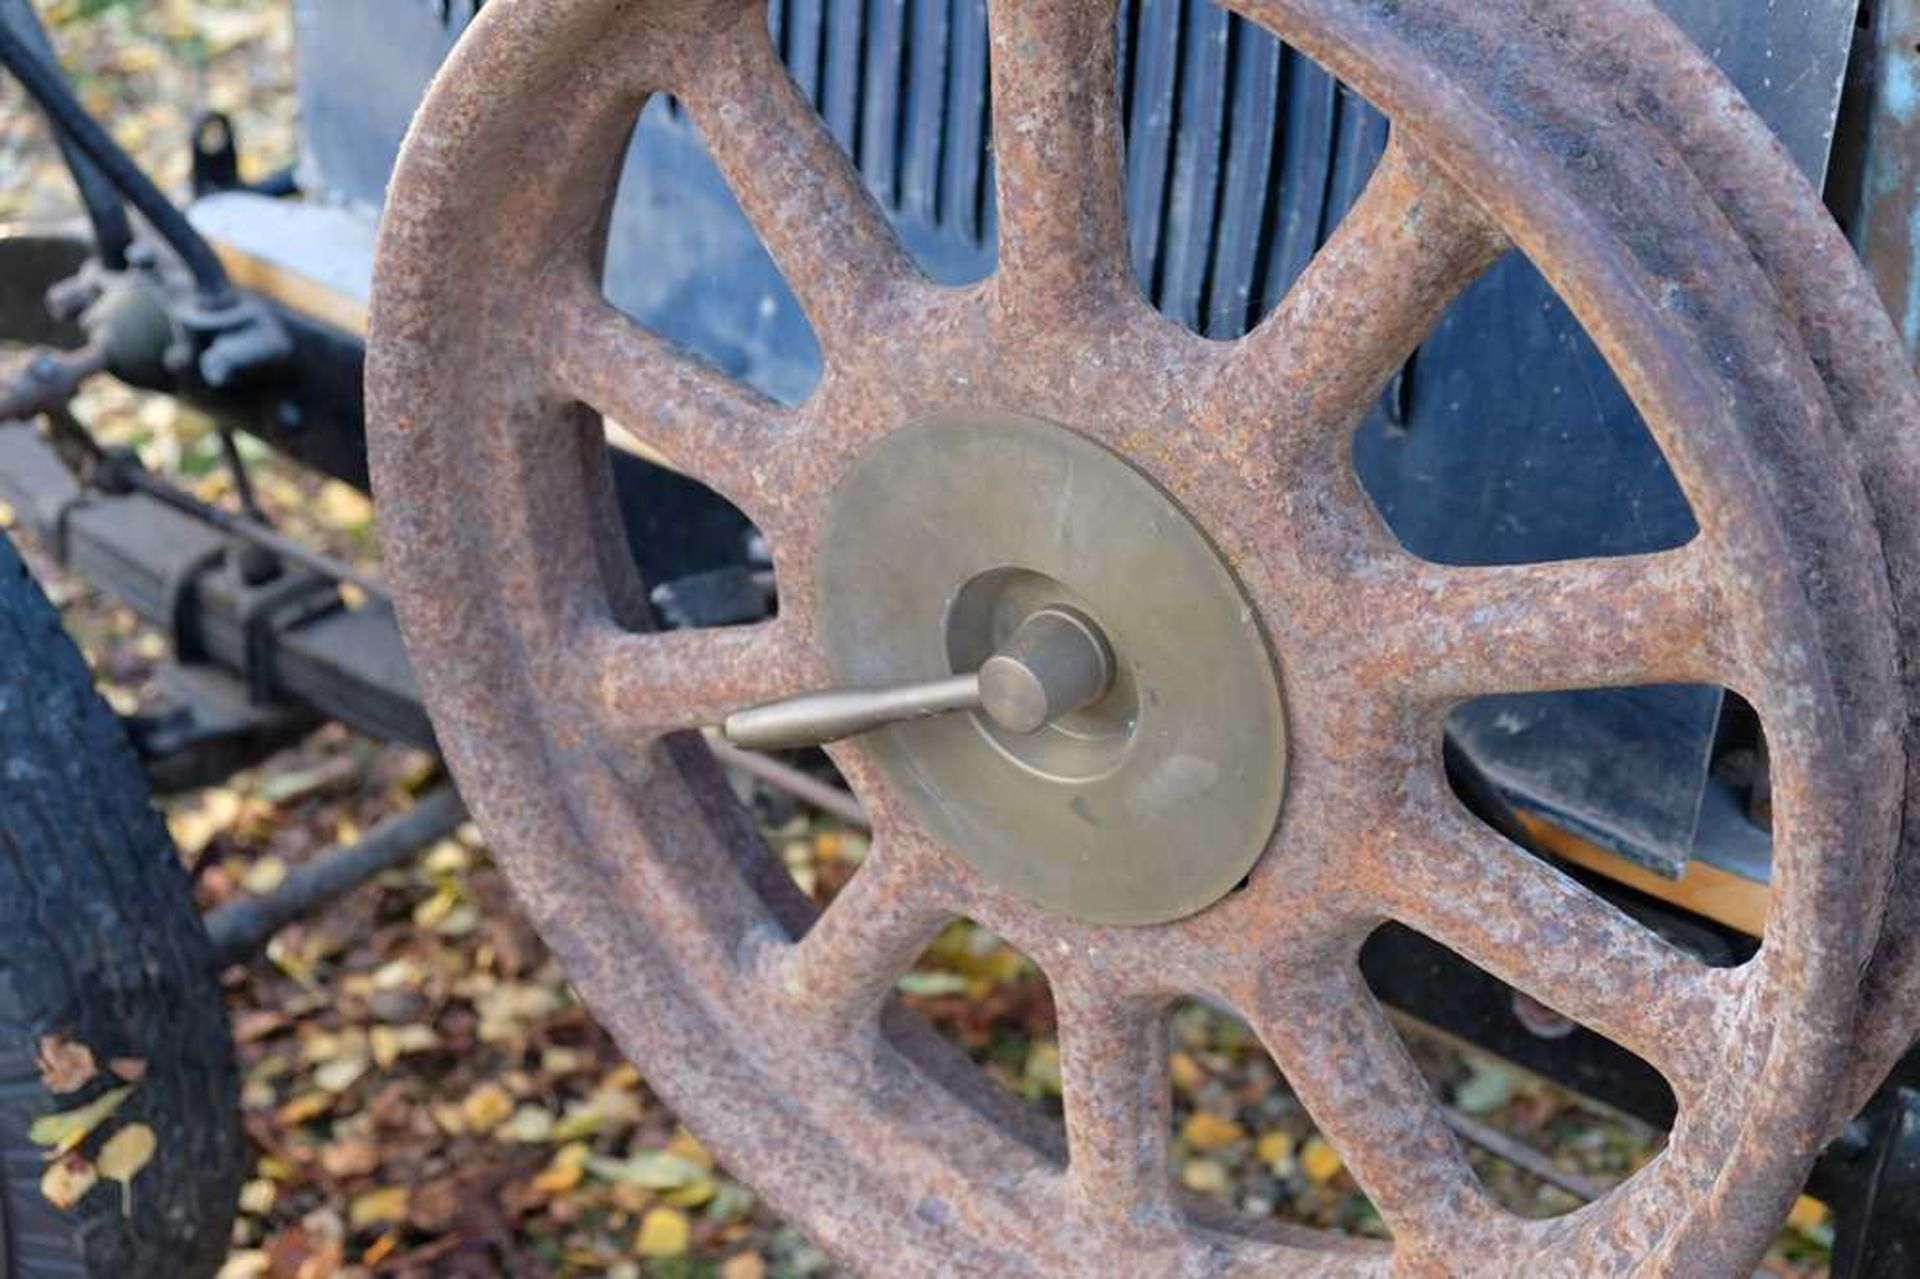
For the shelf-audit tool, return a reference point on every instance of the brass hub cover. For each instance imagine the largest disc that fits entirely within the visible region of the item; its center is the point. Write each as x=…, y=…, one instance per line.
x=1144, y=807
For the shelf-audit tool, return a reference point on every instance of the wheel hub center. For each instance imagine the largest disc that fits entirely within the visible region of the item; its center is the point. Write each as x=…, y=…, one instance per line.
x=1147, y=802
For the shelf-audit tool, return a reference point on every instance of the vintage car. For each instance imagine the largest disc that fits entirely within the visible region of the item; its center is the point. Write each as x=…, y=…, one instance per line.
x=1302, y=504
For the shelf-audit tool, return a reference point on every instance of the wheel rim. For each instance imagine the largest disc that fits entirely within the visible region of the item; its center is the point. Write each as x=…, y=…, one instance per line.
x=488, y=328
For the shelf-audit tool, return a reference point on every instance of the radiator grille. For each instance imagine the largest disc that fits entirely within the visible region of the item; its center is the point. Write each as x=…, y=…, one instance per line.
x=1241, y=154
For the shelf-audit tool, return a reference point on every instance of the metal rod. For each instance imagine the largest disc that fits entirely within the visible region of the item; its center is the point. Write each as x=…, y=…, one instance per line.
x=814, y=719
x=1056, y=662
x=1521, y=1155
x=825, y=796
x=239, y=929
x=250, y=530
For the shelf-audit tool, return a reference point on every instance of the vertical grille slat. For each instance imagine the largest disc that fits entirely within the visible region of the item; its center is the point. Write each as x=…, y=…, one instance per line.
x=843, y=76
x=1248, y=193
x=883, y=98
x=1150, y=113
x=1301, y=166
x=801, y=47
x=927, y=65
x=1187, y=237
x=964, y=148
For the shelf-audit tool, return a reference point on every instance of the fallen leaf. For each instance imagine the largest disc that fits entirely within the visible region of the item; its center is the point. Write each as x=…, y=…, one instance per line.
x=310, y=1105
x=688, y=1147
x=664, y=1233
x=391, y=1043
x=63, y=1131
x=929, y=985
x=383, y=1207
x=566, y=1170
x=1275, y=1150
x=194, y=828
x=1319, y=1161
x=650, y=1170
x=380, y=1249
x=1205, y=1131
x=1487, y=1089
x=122, y=1158
x=1808, y=1214
x=265, y=875
x=350, y=1157
x=1186, y=1072
x=65, y=1065
x=253, y=1263
x=744, y=1265
x=529, y=1125
x=258, y=1196
x=341, y=1073
x=67, y=1181
x=486, y=1107
x=1205, y=1176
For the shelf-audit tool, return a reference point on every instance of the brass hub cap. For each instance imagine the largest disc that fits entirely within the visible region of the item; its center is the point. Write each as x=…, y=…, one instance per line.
x=1143, y=807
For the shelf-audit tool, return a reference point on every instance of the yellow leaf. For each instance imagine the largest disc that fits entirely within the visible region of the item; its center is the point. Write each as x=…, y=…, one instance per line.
x=341, y=1073
x=1187, y=1075
x=276, y=1168
x=700, y=1192
x=379, y=1207
x=1808, y=1214
x=69, y=1128
x=530, y=1125
x=743, y=1265
x=1319, y=1161
x=486, y=1107
x=391, y=1043
x=310, y=1105
x=258, y=1196
x=1205, y=1176
x=567, y=1169
x=688, y=1147
x=122, y=1158
x=1275, y=1150
x=194, y=828
x=264, y=876
x=67, y=1181
x=663, y=1233
x=650, y=1170
x=254, y=1263
x=342, y=507
x=1204, y=1131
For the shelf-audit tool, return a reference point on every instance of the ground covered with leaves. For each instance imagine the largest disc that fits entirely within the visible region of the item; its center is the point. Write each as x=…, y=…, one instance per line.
x=424, y=1094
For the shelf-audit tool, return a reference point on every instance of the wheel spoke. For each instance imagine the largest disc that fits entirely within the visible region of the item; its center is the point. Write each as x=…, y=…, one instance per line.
x=841, y=971
x=696, y=418
x=1116, y=1094
x=802, y=193
x=1371, y=295
x=642, y=685
x=1442, y=633
x=1350, y=1069
x=1056, y=138
x=1539, y=931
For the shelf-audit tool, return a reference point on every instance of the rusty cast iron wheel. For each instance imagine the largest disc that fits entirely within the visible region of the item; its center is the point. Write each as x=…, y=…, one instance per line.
x=1583, y=132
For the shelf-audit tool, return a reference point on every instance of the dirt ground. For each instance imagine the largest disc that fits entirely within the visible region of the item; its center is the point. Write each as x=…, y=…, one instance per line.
x=424, y=1093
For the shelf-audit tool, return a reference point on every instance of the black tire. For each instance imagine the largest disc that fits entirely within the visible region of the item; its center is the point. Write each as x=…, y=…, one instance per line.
x=100, y=944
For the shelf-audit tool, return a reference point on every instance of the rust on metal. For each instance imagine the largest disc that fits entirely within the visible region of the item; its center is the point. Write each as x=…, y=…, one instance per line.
x=1586, y=134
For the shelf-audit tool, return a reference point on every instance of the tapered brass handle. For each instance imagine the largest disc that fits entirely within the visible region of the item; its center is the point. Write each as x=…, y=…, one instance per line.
x=1055, y=663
